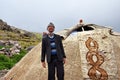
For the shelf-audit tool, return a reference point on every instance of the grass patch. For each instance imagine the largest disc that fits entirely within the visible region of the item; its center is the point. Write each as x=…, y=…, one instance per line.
x=8, y=62
x=1, y=47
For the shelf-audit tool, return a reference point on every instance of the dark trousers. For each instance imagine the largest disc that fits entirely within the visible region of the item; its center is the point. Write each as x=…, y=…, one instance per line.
x=55, y=66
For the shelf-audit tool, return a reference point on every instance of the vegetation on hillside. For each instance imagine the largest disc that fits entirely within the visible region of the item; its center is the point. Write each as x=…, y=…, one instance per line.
x=7, y=62
x=25, y=38
x=24, y=41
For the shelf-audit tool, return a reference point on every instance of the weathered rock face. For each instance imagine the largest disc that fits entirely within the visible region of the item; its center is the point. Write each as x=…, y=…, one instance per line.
x=92, y=53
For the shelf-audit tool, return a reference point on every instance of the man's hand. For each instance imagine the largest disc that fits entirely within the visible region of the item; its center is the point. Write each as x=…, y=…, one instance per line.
x=45, y=33
x=43, y=64
x=64, y=60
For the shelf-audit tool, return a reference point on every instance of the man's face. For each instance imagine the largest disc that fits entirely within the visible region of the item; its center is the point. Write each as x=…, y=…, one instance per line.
x=50, y=29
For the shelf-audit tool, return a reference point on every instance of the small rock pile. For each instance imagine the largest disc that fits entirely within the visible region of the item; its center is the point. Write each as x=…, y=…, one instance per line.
x=9, y=47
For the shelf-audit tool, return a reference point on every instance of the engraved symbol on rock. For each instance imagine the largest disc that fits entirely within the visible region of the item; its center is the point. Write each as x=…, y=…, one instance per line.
x=93, y=51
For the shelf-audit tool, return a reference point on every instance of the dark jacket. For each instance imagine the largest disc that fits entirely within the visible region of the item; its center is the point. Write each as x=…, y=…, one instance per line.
x=46, y=48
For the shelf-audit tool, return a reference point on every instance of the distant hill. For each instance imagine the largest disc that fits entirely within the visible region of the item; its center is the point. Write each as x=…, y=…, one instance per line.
x=26, y=38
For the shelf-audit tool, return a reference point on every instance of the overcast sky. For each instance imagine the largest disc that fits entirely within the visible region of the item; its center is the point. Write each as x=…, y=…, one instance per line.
x=34, y=15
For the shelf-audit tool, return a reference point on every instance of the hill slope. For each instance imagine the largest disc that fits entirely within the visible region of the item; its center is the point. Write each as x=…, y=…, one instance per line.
x=9, y=37
x=8, y=32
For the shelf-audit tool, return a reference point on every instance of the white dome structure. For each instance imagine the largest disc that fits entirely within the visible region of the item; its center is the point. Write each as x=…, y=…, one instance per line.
x=93, y=53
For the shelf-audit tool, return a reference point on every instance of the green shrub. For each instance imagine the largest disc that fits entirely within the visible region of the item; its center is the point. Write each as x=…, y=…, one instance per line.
x=2, y=66
x=8, y=65
x=4, y=58
x=1, y=47
x=5, y=62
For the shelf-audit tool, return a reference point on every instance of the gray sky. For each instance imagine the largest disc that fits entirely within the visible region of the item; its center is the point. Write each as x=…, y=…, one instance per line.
x=34, y=15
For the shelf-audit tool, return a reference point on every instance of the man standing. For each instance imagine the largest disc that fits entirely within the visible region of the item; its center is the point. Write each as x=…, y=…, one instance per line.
x=52, y=49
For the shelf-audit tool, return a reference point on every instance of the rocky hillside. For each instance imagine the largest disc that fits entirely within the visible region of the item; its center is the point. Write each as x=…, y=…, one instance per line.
x=8, y=32
x=21, y=33
x=14, y=44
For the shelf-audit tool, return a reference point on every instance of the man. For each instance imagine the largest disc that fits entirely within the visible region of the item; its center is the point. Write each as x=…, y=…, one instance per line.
x=52, y=49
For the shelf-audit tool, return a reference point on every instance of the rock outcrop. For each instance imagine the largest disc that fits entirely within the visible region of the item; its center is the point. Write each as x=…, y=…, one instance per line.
x=92, y=54
x=9, y=47
x=24, y=38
